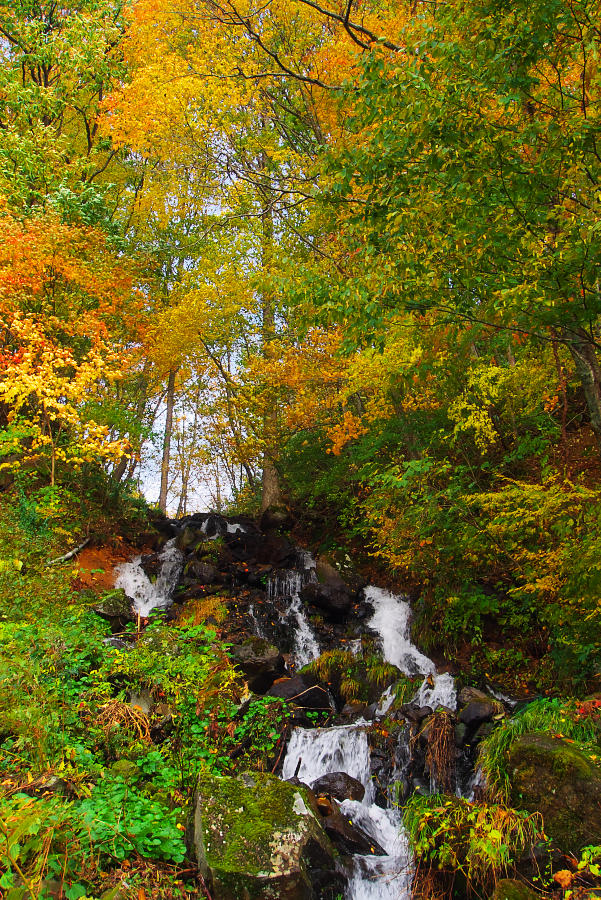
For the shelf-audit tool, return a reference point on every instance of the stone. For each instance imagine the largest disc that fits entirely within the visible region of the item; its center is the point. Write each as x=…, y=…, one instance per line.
x=348, y=837
x=460, y=734
x=467, y=694
x=335, y=601
x=189, y=537
x=202, y=572
x=274, y=517
x=340, y=786
x=302, y=690
x=116, y=607
x=256, y=838
x=150, y=563
x=478, y=711
x=260, y=662
x=552, y=776
x=511, y=889
x=415, y=714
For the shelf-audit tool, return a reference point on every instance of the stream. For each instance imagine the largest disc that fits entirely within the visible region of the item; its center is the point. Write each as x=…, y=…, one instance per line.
x=314, y=752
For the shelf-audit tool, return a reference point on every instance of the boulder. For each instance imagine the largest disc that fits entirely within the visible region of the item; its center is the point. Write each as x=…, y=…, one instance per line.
x=116, y=607
x=202, y=572
x=467, y=694
x=511, y=889
x=256, y=838
x=552, y=776
x=478, y=711
x=334, y=600
x=340, y=786
x=274, y=517
x=302, y=690
x=260, y=662
x=150, y=563
x=348, y=837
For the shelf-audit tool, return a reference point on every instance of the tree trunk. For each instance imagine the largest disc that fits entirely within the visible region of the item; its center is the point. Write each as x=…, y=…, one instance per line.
x=586, y=361
x=271, y=494
x=167, y=441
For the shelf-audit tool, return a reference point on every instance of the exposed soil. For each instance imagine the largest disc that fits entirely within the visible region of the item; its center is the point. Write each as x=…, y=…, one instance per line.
x=96, y=565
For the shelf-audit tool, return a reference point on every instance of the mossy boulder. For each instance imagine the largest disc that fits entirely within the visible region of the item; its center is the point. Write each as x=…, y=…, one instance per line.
x=116, y=607
x=510, y=889
x=256, y=838
x=550, y=775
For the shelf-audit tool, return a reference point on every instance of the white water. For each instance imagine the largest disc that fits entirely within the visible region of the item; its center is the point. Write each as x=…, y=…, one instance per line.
x=135, y=582
x=318, y=751
x=437, y=690
x=287, y=583
x=391, y=621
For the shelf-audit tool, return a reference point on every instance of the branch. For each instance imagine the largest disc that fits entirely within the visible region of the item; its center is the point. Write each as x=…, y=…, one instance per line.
x=69, y=555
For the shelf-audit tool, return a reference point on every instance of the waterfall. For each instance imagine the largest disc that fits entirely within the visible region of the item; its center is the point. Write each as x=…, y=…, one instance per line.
x=318, y=751
x=286, y=584
x=135, y=582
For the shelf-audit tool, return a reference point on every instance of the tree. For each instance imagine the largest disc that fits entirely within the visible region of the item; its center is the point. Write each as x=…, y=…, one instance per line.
x=470, y=187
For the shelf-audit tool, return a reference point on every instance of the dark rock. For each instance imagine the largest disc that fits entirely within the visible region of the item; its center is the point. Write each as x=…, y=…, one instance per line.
x=467, y=694
x=351, y=712
x=302, y=690
x=483, y=731
x=340, y=786
x=150, y=564
x=551, y=776
x=478, y=711
x=202, y=572
x=189, y=537
x=44, y=788
x=414, y=713
x=256, y=836
x=275, y=517
x=334, y=601
x=461, y=730
x=348, y=837
x=260, y=662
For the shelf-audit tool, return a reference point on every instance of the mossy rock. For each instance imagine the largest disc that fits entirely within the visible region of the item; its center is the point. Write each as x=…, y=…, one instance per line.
x=256, y=838
x=115, y=604
x=510, y=889
x=552, y=776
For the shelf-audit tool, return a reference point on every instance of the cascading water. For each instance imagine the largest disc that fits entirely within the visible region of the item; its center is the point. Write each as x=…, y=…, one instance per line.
x=316, y=752
x=286, y=584
x=390, y=620
x=319, y=751
x=145, y=594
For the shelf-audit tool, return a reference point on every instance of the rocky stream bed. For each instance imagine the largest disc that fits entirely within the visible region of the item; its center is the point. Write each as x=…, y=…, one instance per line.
x=327, y=821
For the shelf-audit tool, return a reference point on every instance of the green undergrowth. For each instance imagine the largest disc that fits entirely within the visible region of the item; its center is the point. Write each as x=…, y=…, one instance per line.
x=359, y=677
x=576, y=721
x=459, y=842
x=101, y=748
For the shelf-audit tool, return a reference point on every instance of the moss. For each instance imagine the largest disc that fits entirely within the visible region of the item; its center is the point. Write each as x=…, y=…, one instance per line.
x=553, y=776
x=509, y=889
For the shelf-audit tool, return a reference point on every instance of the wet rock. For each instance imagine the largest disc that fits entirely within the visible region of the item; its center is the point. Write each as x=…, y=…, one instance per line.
x=256, y=836
x=461, y=731
x=335, y=601
x=260, y=662
x=190, y=536
x=53, y=784
x=467, y=694
x=150, y=564
x=415, y=714
x=550, y=775
x=302, y=690
x=340, y=786
x=201, y=572
x=478, y=711
x=116, y=607
x=348, y=837
x=483, y=731
x=274, y=517
x=511, y=889
x=351, y=712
